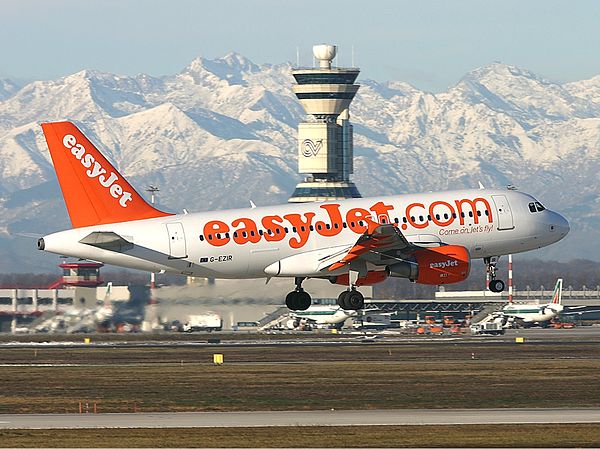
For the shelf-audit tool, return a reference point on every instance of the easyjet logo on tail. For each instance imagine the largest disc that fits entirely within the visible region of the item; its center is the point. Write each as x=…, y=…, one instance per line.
x=95, y=170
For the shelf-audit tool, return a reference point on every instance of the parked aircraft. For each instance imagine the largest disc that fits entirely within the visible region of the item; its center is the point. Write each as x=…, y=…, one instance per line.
x=323, y=315
x=535, y=313
x=429, y=238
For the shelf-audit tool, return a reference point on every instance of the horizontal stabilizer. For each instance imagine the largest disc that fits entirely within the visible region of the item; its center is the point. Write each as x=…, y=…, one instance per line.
x=110, y=241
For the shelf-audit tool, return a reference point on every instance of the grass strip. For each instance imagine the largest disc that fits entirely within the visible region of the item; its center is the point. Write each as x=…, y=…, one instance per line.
x=521, y=435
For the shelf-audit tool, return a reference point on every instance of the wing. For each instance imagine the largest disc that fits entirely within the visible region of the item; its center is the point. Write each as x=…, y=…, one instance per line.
x=379, y=245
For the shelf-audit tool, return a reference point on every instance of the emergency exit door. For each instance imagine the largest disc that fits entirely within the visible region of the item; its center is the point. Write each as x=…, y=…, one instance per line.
x=503, y=212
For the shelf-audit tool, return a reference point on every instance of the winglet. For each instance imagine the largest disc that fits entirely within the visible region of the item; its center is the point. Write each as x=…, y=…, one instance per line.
x=94, y=191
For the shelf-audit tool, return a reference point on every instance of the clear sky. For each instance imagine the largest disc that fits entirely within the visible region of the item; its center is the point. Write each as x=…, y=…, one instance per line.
x=430, y=44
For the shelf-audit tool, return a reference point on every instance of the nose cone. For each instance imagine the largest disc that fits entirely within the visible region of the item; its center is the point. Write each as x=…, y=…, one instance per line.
x=559, y=226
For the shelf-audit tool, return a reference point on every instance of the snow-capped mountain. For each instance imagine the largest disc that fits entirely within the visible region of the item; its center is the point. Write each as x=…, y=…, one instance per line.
x=222, y=132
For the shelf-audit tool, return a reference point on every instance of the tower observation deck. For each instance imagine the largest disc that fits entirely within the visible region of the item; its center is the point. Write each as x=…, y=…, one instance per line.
x=325, y=142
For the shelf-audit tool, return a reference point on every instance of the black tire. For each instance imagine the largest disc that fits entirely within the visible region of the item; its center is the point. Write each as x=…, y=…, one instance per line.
x=341, y=300
x=303, y=300
x=355, y=300
x=496, y=286
x=291, y=300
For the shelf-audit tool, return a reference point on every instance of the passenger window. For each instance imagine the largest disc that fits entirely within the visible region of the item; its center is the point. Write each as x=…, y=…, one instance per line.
x=445, y=216
x=471, y=213
x=344, y=225
x=486, y=212
x=532, y=207
x=201, y=238
x=479, y=213
x=404, y=220
x=396, y=220
x=252, y=233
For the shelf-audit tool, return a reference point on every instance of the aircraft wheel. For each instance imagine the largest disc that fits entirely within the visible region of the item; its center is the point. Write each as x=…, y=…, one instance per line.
x=303, y=300
x=496, y=285
x=355, y=300
x=291, y=300
x=341, y=300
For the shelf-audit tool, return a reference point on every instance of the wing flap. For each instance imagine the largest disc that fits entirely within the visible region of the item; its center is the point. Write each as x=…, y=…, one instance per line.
x=377, y=239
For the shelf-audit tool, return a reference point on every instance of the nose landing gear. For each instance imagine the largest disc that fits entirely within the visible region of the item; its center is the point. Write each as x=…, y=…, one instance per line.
x=495, y=285
x=298, y=299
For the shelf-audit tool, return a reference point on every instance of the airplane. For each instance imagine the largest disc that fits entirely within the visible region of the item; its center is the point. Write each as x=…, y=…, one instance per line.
x=428, y=238
x=535, y=313
x=323, y=315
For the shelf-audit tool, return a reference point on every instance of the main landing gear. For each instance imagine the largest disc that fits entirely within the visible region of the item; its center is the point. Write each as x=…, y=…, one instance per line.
x=298, y=299
x=351, y=300
x=495, y=285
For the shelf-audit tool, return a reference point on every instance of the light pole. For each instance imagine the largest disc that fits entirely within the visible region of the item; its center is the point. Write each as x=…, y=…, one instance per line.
x=152, y=190
x=152, y=320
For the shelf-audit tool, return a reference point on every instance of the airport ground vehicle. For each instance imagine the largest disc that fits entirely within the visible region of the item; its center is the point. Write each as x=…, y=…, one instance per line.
x=208, y=322
x=428, y=238
x=488, y=328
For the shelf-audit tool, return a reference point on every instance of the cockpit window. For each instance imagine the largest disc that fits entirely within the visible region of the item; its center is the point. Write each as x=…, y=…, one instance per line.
x=539, y=206
x=532, y=207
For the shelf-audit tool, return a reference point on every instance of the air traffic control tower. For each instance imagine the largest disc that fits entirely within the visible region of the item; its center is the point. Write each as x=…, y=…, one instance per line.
x=325, y=147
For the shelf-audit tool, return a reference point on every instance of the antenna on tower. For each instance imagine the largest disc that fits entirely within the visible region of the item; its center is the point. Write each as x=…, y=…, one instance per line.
x=353, y=57
x=297, y=56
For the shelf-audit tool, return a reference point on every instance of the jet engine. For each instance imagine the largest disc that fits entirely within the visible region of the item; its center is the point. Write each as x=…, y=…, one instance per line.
x=435, y=266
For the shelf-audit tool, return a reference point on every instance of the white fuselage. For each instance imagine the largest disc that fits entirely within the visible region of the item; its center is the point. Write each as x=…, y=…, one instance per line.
x=323, y=315
x=236, y=243
x=532, y=313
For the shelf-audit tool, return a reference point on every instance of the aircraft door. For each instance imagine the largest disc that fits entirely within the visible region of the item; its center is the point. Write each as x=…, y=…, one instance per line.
x=503, y=212
x=177, y=249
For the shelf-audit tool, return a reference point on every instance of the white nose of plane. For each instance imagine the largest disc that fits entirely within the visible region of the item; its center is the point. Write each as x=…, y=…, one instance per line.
x=557, y=225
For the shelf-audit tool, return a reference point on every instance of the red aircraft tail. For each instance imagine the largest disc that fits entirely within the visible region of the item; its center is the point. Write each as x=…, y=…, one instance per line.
x=94, y=191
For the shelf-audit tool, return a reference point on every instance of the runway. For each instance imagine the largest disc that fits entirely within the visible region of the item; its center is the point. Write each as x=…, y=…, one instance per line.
x=302, y=418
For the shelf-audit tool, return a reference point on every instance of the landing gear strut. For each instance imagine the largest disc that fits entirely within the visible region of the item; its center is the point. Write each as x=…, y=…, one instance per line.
x=298, y=299
x=495, y=285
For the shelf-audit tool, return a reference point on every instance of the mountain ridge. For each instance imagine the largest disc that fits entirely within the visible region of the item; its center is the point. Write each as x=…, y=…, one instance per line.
x=223, y=131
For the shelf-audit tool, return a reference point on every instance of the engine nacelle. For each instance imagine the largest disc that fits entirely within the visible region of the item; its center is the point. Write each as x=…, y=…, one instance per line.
x=435, y=266
x=443, y=265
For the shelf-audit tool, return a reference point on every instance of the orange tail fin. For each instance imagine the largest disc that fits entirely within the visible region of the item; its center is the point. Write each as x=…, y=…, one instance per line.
x=94, y=191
